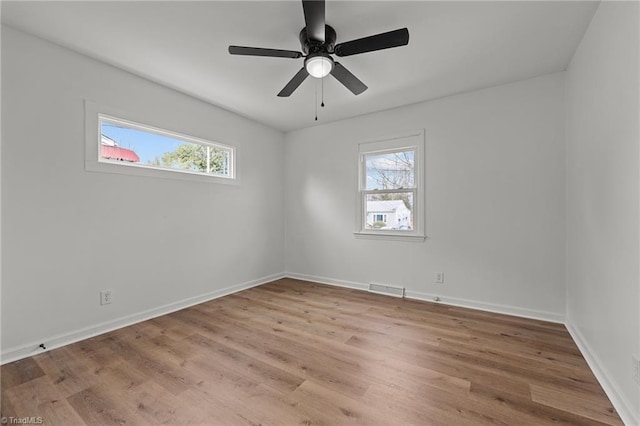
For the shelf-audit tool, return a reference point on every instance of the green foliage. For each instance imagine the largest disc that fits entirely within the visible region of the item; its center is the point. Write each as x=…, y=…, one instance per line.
x=193, y=157
x=379, y=224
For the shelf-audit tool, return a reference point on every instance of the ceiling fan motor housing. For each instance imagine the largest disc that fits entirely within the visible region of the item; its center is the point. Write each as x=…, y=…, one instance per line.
x=315, y=46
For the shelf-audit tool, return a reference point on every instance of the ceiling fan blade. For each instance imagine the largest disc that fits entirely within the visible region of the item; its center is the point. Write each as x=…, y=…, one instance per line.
x=372, y=43
x=349, y=80
x=259, y=51
x=314, y=19
x=293, y=84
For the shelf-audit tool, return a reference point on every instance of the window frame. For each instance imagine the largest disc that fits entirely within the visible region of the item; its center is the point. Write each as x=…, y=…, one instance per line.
x=414, y=141
x=94, y=116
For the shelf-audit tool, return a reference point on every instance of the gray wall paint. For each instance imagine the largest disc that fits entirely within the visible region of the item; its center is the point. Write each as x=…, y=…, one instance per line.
x=602, y=185
x=68, y=233
x=495, y=201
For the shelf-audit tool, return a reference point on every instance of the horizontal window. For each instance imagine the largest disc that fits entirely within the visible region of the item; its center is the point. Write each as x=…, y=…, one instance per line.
x=127, y=143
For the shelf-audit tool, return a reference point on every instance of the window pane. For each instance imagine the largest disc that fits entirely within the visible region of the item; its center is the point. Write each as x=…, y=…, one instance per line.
x=393, y=211
x=128, y=144
x=391, y=170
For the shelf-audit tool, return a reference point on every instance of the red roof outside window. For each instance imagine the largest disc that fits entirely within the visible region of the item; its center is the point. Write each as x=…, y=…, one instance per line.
x=117, y=153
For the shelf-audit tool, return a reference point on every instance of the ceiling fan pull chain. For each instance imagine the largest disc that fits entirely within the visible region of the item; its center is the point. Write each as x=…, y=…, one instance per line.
x=322, y=104
x=316, y=103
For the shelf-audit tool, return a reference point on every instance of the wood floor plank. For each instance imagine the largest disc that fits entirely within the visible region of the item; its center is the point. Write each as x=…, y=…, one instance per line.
x=251, y=367
x=523, y=409
x=332, y=408
x=40, y=398
x=447, y=364
x=258, y=404
x=364, y=362
x=294, y=357
x=270, y=408
x=292, y=352
x=596, y=409
x=108, y=401
x=159, y=366
x=96, y=407
x=69, y=374
x=408, y=406
x=154, y=404
x=205, y=409
x=19, y=372
x=6, y=407
x=248, y=308
x=527, y=365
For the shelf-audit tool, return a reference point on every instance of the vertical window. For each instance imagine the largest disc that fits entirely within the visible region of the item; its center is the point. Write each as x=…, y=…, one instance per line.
x=390, y=187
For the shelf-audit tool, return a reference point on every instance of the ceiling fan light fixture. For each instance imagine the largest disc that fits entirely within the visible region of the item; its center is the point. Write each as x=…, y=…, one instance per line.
x=318, y=66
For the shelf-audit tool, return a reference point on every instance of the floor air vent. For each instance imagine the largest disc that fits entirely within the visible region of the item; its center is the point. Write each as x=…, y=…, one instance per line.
x=386, y=289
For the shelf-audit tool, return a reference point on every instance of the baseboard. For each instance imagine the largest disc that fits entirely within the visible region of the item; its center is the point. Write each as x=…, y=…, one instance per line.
x=465, y=303
x=621, y=404
x=325, y=280
x=488, y=307
x=16, y=353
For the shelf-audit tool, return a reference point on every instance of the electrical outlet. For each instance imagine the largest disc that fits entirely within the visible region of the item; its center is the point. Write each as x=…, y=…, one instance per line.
x=636, y=369
x=439, y=277
x=105, y=297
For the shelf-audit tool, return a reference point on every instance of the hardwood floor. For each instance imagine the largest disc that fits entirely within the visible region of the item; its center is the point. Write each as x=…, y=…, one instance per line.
x=298, y=353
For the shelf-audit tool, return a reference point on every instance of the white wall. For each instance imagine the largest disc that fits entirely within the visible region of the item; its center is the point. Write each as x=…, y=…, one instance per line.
x=68, y=233
x=498, y=213
x=602, y=199
x=495, y=200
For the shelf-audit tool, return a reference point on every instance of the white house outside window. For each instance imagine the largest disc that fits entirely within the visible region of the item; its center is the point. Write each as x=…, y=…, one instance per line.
x=390, y=190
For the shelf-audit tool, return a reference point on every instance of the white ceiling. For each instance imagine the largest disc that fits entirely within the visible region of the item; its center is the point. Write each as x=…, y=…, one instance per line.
x=454, y=47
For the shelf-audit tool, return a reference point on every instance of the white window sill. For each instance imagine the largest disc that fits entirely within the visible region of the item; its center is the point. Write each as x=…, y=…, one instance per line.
x=393, y=236
x=123, y=168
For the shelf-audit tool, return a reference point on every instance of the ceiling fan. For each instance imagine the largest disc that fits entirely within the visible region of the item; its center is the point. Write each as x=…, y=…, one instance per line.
x=317, y=41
